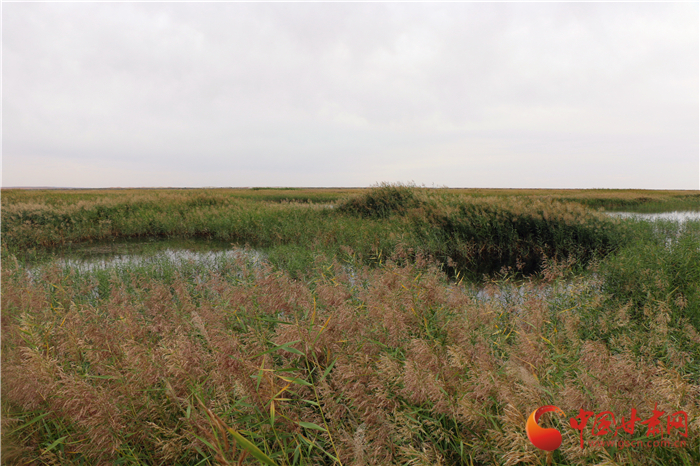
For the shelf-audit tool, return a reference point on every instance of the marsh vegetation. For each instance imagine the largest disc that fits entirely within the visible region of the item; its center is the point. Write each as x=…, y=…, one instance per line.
x=402, y=325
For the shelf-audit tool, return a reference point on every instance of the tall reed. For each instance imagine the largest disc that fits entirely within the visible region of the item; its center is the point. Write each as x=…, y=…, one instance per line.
x=385, y=365
x=470, y=235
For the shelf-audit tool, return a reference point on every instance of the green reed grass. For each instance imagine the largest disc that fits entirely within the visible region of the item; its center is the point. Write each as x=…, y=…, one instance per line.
x=470, y=236
x=652, y=287
x=644, y=203
x=383, y=201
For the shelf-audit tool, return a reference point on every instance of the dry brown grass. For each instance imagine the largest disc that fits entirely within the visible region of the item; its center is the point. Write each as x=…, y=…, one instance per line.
x=421, y=371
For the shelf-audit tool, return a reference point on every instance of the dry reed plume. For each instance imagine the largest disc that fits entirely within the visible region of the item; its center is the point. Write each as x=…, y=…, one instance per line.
x=387, y=365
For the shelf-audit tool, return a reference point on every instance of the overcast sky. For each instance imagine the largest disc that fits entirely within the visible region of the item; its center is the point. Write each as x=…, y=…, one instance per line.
x=510, y=95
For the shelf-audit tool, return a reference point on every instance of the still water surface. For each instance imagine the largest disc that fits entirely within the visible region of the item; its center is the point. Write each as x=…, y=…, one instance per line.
x=175, y=257
x=677, y=216
x=155, y=253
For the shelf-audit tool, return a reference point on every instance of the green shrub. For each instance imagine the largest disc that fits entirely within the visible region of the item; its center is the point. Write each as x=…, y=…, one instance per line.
x=382, y=201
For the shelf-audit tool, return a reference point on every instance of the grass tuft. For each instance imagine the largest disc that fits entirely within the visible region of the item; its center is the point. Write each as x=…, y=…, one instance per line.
x=382, y=201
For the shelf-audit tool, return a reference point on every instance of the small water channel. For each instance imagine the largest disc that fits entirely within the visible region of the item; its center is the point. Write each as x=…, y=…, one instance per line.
x=175, y=257
x=676, y=216
x=515, y=295
x=176, y=254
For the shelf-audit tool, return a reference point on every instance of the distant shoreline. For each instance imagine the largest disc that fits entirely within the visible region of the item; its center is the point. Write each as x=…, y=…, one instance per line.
x=59, y=188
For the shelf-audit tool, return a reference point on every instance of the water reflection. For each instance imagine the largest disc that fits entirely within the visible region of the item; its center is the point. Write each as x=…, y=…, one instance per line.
x=677, y=216
x=211, y=260
x=196, y=264
x=518, y=293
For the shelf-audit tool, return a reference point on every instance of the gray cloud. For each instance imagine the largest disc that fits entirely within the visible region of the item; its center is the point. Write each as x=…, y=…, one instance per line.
x=319, y=94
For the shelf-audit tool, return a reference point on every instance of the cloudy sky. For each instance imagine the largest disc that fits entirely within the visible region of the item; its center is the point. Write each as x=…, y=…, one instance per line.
x=543, y=95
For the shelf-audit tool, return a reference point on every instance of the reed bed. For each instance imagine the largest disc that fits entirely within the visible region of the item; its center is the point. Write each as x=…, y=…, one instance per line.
x=352, y=345
x=386, y=365
x=469, y=234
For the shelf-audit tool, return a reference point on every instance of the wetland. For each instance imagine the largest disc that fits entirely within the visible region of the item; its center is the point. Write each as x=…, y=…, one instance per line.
x=392, y=325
